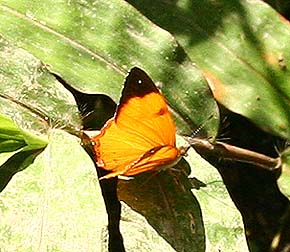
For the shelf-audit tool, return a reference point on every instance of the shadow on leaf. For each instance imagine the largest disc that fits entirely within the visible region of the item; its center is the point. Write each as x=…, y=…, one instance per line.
x=166, y=201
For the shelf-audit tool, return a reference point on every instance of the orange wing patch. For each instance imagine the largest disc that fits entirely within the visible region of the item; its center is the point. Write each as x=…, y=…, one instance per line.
x=141, y=135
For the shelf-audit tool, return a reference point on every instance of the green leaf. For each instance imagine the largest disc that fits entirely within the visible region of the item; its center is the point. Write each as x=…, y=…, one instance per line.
x=284, y=179
x=223, y=222
x=166, y=201
x=93, y=44
x=12, y=139
x=31, y=96
x=56, y=204
x=16, y=163
x=11, y=133
x=191, y=214
x=243, y=49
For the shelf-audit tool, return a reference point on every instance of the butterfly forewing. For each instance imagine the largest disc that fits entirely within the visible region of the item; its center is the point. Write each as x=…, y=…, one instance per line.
x=149, y=115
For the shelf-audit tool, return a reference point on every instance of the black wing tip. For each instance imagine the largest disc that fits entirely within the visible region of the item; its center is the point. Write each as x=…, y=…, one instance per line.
x=138, y=84
x=137, y=70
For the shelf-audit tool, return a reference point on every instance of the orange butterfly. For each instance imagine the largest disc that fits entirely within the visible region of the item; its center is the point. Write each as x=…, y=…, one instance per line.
x=141, y=135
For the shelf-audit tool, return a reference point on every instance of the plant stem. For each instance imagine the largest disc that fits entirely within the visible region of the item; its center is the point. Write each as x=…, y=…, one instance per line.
x=230, y=152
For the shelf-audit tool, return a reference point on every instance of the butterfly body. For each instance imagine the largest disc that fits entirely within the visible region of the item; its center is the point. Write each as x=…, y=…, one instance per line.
x=141, y=135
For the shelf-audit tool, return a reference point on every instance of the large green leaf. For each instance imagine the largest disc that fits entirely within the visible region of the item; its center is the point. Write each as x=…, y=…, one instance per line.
x=243, y=49
x=93, y=44
x=30, y=95
x=56, y=204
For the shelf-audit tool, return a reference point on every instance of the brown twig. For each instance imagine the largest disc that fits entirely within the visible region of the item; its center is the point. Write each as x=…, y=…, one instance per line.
x=230, y=152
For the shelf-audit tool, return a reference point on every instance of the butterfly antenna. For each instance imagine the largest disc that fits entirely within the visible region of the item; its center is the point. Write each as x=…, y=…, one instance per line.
x=200, y=127
x=281, y=146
